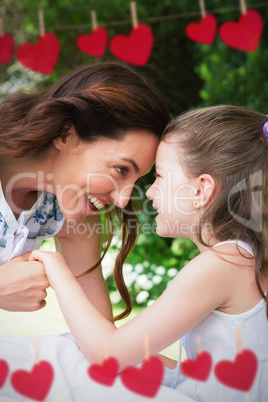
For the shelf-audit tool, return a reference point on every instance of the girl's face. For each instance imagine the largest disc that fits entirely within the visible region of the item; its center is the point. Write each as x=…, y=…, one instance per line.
x=173, y=195
x=88, y=176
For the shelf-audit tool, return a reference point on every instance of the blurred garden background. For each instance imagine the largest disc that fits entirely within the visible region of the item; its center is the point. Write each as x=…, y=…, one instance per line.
x=186, y=73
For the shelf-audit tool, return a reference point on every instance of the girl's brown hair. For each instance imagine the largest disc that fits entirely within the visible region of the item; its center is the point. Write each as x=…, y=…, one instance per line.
x=228, y=143
x=100, y=100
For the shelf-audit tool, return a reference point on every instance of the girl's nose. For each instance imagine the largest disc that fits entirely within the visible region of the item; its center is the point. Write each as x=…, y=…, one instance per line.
x=150, y=192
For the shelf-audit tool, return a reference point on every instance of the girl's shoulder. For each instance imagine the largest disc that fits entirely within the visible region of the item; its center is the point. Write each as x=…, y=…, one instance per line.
x=224, y=256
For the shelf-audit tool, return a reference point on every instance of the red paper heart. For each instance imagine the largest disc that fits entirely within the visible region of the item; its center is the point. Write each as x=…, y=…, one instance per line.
x=3, y=372
x=136, y=48
x=145, y=380
x=244, y=35
x=204, y=31
x=94, y=44
x=35, y=384
x=41, y=57
x=239, y=374
x=198, y=369
x=6, y=48
x=106, y=373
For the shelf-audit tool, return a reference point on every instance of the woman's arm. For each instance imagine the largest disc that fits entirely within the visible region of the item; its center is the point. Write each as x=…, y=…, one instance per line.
x=199, y=288
x=80, y=244
x=23, y=285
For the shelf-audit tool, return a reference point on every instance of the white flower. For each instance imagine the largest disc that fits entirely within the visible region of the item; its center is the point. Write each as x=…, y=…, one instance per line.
x=139, y=268
x=127, y=268
x=157, y=279
x=142, y=296
x=130, y=278
x=115, y=297
x=108, y=264
x=160, y=270
x=143, y=282
x=150, y=302
x=172, y=272
x=146, y=264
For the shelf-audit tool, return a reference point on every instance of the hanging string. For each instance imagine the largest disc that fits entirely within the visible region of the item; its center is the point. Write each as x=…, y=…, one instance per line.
x=243, y=6
x=94, y=20
x=158, y=18
x=1, y=27
x=202, y=8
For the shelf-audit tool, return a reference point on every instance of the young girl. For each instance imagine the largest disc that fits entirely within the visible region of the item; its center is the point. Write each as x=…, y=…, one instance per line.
x=211, y=182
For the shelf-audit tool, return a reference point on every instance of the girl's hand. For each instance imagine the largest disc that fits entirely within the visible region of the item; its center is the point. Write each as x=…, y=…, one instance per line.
x=55, y=266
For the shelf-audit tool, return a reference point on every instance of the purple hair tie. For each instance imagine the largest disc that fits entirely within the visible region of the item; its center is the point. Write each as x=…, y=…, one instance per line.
x=265, y=130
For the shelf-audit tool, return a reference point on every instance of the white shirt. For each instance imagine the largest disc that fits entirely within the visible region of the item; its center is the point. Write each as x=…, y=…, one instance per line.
x=218, y=337
x=43, y=220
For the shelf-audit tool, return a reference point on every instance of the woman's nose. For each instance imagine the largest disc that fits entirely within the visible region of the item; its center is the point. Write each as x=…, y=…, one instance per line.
x=120, y=197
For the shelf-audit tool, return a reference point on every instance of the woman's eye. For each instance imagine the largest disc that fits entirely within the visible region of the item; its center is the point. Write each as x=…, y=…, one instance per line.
x=121, y=170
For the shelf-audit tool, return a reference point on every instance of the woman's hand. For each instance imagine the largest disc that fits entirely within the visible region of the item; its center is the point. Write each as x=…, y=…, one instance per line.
x=23, y=285
x=56, y=267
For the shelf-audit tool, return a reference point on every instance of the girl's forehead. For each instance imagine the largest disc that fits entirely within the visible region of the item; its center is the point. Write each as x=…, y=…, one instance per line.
x=166, y=149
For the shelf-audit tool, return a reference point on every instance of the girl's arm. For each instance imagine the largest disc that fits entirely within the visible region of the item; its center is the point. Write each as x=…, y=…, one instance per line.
x=80, y=244
x=203, y=285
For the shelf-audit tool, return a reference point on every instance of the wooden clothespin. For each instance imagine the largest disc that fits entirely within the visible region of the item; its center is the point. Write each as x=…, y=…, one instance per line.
x=202, y=8
x=41, y=22
x=94, y=20
x=1, y=27
x=243, y=6
x=134, y=17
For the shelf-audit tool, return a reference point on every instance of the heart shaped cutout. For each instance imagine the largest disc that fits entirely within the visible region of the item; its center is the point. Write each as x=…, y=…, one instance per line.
x=145, y=380
x=199, y=369
x=244, y=35
x=136, y=48
x=204, y=31
x=3, y=372
x=239, y=374
x=105, y=373
x=41, y=57
x=6, y=48
x=36, y=383
x=94, y=44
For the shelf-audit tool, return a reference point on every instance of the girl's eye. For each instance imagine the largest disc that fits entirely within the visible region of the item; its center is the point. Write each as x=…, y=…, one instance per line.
x=121, y=170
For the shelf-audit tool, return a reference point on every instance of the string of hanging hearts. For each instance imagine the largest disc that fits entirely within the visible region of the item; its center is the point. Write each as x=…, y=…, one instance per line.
x=245, y=35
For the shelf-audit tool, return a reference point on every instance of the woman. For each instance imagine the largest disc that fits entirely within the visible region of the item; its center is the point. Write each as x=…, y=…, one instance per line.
x=65, y=153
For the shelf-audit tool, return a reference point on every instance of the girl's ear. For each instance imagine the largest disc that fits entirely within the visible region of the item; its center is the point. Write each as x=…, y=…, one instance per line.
x=67, y=139
x=206, y=187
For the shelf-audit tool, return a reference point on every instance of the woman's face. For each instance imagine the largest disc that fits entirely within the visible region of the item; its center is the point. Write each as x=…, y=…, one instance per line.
x=172, y=194
x=88, y=176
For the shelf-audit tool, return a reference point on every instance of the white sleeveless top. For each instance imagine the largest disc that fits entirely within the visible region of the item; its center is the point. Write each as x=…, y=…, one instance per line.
x=43, y=220
x=218, y=337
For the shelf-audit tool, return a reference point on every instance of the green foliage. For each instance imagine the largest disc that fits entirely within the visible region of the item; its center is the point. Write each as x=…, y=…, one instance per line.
x=185, y=73
x=170, y=68
x=151, y=266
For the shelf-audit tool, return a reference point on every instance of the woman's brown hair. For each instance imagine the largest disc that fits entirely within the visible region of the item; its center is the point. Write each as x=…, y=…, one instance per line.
x=100, y=100
x=228, y=143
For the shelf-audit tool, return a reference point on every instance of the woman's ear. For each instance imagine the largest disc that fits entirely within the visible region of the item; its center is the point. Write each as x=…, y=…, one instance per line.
x=205, y=188
x=68, y=138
